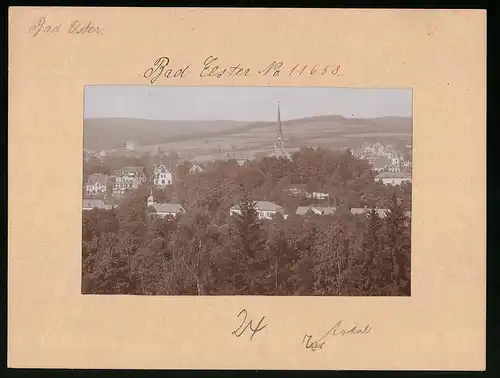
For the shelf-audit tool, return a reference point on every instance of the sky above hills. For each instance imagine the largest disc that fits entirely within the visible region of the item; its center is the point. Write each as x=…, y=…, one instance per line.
x=243, y=103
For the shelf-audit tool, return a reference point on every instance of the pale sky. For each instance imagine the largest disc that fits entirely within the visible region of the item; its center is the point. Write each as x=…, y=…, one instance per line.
x=243, y=103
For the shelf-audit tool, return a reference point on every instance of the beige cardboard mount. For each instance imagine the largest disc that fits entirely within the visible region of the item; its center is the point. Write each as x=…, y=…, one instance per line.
x=440, y=54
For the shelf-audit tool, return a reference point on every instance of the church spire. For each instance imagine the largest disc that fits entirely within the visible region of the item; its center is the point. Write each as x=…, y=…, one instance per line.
x=279, y=142
x=280, y=131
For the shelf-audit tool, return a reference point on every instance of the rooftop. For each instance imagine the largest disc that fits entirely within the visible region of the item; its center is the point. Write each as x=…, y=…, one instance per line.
x=94, y=203
x=263, y=206
x=382, y=213
x=394, y=175
x=171, y=208
x=126, y=170
x=302, y=210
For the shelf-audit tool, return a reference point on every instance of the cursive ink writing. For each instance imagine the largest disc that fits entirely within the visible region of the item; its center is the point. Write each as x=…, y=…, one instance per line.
x=313, y=345
x=316, y=69
x=76, y=27
x=210, y=69
x=337, y=330
x=274, y=67
x=244, y=325
x=42, y=26
x=160, y=68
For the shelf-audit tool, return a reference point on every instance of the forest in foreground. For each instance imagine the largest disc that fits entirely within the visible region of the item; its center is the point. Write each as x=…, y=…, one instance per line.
x=126, y=250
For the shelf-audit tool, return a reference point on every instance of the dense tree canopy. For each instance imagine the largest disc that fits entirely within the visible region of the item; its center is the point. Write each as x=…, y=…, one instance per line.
x=208, y=252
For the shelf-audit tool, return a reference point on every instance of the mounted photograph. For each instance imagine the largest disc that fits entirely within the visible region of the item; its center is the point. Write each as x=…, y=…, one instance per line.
x=279, y=191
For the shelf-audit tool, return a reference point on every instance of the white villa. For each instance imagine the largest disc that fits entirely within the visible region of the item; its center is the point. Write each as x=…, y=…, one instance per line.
x=162, y=176
x=393, y=178
x=265, y=209
x=165, y=209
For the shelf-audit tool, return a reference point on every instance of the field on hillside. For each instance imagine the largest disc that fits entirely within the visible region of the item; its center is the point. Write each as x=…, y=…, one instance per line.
x=208, y=140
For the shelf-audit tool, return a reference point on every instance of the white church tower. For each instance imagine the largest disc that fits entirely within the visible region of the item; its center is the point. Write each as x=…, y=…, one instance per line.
x=151, y=200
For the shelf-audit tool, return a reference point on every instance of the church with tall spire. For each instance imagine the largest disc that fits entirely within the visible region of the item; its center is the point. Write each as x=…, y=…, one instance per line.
x=279, y=141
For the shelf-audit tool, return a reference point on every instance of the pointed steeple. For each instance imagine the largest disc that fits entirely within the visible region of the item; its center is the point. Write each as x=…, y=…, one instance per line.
x=279, y=142
x=280, y=131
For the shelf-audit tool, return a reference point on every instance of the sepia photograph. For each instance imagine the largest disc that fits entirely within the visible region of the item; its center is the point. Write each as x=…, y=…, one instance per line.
x=275, y=191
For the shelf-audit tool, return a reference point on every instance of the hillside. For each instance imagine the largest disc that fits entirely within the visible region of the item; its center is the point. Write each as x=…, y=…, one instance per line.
x=113, y=133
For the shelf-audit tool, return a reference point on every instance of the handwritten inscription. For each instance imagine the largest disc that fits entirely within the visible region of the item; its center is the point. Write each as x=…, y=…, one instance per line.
x=276, y=68
x=75, y=27
x=337, y=330
x=248, y=326
x=212, y=68
x=160, y=69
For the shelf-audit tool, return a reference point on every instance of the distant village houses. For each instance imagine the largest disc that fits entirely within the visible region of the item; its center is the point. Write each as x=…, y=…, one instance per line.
x=265, y=209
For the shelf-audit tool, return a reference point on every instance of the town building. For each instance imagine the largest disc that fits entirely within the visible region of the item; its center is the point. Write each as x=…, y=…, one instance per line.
x=165, y=209
x=318, y=210
x=90, y=204
x=162, y=176
x=265, y=209
x=96, y=184
x=393, y=178
x=129, y=178
x=394, y=168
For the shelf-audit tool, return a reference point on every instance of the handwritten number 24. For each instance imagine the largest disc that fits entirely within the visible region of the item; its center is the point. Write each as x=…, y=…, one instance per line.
x=244, y=325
